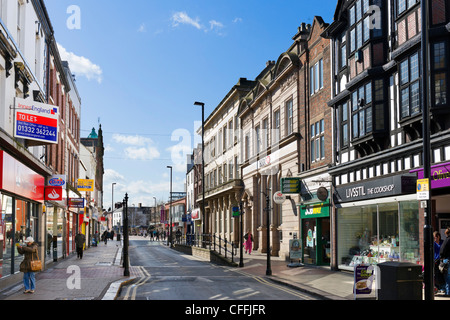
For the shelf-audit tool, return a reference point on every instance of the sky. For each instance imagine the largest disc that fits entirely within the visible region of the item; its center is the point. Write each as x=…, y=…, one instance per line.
x=141, y=65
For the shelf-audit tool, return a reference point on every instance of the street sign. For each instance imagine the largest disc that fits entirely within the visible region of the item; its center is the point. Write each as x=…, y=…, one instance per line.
x=423, y=189
x=290, y=185
x=279, y=197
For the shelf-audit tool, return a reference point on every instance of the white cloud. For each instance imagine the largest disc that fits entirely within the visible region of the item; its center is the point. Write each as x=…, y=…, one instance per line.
x=144, y=153
x=142, y=28
x=141, y=148
x=236, y=20
x=111, y=176
x=215, y=24
x=183, y=18
x=131, y=140
x=81, y=66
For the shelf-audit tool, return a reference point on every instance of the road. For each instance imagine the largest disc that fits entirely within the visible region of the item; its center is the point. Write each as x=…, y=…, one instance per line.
x=170, y=275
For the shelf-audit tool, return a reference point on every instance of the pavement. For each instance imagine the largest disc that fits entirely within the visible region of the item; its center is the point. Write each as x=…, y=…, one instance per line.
x=99, y=276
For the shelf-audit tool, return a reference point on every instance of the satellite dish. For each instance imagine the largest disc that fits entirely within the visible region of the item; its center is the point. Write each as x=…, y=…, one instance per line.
x=322, y=193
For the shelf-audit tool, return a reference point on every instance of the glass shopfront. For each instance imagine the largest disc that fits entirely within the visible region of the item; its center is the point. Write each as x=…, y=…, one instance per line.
x=19, y=220
x=378, y=232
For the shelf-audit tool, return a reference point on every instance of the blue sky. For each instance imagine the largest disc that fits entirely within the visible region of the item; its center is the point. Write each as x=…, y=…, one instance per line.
x=141, y=65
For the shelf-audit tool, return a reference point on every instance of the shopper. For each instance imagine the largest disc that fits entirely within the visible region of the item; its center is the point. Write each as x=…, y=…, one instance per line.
x=248, y=242
x=439, y=281
x=29, y=279
x=445, y=257
x=80, y=240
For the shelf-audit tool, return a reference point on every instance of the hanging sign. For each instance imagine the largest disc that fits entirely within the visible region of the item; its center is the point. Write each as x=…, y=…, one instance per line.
x=36, y=121
x=279, y=197
x=290, y=185
x=53, y=194
x=85, y=185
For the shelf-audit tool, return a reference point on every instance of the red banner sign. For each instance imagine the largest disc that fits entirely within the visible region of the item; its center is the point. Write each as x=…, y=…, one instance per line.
x=17, y=178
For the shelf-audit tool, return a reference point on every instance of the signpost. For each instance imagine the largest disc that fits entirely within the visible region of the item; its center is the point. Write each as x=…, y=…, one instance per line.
x=36, y=121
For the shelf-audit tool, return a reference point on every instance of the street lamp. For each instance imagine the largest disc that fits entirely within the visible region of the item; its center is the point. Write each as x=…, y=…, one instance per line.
x=203, y=163
x=154, y=216
x=112, y=202
x=170, y=210
x=269, y=268
x=427, y=229
x=126, y=272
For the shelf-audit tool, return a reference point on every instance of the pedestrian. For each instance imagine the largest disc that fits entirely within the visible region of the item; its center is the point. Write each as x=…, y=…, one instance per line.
x=105, y=236
x=439, y=281
x=29, y=279
x=80, y=240
x=248, y=242
x=445, y=257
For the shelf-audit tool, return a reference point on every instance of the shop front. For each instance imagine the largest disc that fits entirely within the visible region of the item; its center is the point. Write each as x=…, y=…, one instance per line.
x=377, y=221
x=21, y=204
x=315, y=233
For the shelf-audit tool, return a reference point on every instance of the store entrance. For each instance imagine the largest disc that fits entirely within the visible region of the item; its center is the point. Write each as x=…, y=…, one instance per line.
x=316, y=241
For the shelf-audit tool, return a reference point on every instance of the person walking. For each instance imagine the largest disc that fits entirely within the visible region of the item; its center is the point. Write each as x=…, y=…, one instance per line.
x=248, y=242
x=80, y=240
x=445, y=257
x=29, y=278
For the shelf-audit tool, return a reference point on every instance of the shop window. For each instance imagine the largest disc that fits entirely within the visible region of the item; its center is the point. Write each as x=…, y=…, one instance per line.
x=378, y=233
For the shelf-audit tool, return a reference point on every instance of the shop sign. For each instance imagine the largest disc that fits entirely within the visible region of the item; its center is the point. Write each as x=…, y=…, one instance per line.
x=17, y=178
x=377, y=188
x=76, y=203
x=85, y=185
x=440, y=175
x=295, y=249
x=279, y=197
x=195, y=214
x=57, y=181
x=53, y=194
x=290, y=185
x=363, y=277
x=317, y=210
x=36, y=121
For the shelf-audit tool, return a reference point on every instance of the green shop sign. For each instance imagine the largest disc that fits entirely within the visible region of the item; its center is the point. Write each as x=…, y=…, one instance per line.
x=315, y=210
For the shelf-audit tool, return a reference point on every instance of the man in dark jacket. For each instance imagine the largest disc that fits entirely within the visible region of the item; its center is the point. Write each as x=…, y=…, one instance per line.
x=445, y=257
x=80, y=239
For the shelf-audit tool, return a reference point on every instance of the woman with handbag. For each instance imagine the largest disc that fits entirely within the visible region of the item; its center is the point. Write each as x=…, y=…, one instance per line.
x=29, y=252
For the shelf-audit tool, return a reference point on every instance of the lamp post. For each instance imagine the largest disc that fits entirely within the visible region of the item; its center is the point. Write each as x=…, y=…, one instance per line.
x=427, y=229
x=126, y=272
x=269, y=267
x=203, y=165
x=112, y=202
x=154, y=216
x=170, y=210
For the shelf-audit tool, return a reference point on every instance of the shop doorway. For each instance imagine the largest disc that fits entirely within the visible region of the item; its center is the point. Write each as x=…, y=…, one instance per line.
x=316, y=241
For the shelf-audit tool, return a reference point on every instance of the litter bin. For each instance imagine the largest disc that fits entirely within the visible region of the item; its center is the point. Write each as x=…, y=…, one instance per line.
x=400, y=281
x=118, y=237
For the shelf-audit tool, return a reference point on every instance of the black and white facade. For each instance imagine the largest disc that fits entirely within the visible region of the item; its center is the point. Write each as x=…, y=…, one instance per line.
x=377, y=108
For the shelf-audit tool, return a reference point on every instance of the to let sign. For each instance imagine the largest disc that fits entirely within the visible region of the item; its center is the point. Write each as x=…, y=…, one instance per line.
x=36, y=121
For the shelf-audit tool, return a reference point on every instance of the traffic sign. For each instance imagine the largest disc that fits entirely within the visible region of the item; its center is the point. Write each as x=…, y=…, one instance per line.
x=290, y=185
x=423, y=189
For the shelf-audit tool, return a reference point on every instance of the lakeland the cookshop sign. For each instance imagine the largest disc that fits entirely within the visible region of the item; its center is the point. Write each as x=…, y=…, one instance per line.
x=376, y=188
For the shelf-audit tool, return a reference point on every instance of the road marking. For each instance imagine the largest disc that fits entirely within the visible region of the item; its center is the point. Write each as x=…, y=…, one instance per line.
x=135, y=286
